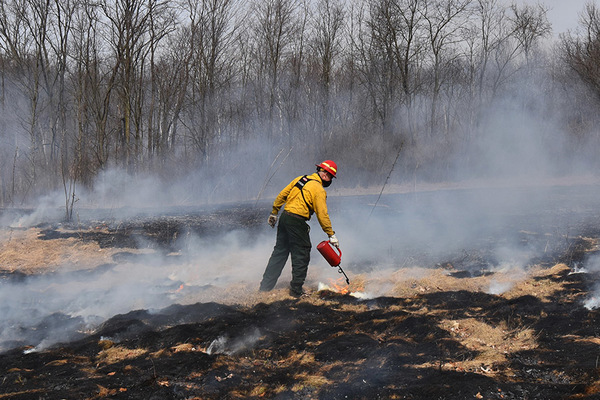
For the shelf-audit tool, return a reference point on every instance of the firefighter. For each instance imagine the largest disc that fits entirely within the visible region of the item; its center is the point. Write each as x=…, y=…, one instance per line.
x=304, y=196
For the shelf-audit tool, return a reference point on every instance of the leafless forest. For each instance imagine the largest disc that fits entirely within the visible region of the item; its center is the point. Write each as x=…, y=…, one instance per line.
x=165, y=88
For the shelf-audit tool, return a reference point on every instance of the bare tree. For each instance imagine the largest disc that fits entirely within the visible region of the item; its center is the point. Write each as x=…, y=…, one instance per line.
x=327, y=42
x=392, y=56
x=134, y=29
x=493, y=50
x=212, y=34
x=36, y=34
x=169, y=85
x=22, y=34
x=60, y=44
x=582, y=53
x=94, y=81
x=327, y=47
x=274, y=30
x=444, y=19
x=530, y=24
x=292, y=96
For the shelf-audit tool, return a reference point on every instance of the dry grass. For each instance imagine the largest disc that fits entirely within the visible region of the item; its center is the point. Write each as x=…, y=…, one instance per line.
x=492, y=344
x=23, y=251
x=117, y=354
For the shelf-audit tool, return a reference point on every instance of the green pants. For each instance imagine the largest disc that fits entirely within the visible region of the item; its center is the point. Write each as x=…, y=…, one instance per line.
x=292, y=238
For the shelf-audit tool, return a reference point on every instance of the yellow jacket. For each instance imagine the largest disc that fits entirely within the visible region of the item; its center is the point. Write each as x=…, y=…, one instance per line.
x=315, y=196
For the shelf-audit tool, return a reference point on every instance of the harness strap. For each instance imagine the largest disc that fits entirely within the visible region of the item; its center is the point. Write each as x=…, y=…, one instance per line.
x=300, y=184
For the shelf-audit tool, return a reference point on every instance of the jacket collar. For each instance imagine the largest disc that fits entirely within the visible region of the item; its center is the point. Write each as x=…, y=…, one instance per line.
x=315, y=176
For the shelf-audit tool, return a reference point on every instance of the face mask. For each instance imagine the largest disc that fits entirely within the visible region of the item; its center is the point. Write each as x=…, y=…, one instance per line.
x=327, y=183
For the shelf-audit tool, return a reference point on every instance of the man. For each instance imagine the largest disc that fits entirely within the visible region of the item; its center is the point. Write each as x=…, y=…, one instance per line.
x=304, y=196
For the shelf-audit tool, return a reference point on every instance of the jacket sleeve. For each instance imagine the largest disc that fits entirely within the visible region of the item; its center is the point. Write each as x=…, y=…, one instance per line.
x=320, y=206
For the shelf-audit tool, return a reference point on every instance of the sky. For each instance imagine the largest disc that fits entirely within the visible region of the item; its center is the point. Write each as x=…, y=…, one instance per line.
x=563, y=14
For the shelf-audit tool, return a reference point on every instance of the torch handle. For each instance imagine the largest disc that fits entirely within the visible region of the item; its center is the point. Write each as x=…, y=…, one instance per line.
x=338, y=249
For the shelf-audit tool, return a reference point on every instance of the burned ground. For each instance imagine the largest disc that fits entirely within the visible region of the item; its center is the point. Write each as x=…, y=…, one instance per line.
x=440, y=336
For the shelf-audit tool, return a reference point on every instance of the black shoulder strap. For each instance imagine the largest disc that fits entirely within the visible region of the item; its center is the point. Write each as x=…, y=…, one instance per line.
x=300, y=184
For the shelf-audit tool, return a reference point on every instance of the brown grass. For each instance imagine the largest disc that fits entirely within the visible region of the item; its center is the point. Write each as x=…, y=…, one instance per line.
x=23, y=251
x=117, y=354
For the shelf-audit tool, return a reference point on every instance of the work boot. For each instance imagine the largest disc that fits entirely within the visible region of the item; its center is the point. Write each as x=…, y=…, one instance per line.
x=297, y=294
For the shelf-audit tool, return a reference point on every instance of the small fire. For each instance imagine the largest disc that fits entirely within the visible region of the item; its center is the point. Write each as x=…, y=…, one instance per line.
x=179, y=289
x=340, y=286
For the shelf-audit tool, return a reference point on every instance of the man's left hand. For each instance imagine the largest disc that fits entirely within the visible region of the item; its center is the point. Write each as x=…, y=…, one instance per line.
x=272, y=220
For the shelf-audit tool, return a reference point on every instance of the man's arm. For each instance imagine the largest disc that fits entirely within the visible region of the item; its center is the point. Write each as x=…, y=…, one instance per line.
x=320, y=206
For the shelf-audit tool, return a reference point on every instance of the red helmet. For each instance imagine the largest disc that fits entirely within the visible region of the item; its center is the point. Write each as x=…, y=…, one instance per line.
x=329, y=166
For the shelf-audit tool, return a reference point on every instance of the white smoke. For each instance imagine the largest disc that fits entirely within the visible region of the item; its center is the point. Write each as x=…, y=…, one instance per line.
x=45, y=309
x=47, y=208
x=591, y=268
x=229, y=346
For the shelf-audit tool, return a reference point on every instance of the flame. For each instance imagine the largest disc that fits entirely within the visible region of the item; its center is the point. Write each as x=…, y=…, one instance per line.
x=340, y=286
x=180, y=288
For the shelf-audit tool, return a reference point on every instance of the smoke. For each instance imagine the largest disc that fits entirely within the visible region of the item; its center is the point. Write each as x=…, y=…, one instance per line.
x=518, y=144
x=251, y=171
x=406, y=231
x=409, y=231
x=47, y=209
x=499, y=231
x=42, y=310
x=515, y=175
x=230, y=346
x=516, y=185
x=591, y=267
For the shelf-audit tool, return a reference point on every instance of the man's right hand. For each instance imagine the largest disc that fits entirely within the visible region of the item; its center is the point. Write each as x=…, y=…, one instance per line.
x=334, y=241
x=272, y=220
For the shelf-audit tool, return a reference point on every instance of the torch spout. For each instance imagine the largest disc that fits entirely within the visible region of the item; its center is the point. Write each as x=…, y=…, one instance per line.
x=341, y=271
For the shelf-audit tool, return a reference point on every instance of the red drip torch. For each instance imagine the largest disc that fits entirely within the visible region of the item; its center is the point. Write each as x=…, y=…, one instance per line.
x=333, y=257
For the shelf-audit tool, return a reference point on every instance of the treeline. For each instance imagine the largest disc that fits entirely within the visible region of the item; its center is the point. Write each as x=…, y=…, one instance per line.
x=169, y=87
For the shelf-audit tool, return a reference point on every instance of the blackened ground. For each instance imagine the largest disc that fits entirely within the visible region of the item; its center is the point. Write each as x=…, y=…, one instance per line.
x=383, y=348
x=160, y=231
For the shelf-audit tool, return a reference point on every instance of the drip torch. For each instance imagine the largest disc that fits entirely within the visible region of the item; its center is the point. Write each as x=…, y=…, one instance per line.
x=333, y=257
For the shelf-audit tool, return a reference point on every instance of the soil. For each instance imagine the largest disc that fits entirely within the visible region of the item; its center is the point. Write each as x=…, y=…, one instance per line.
x=438, y=333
